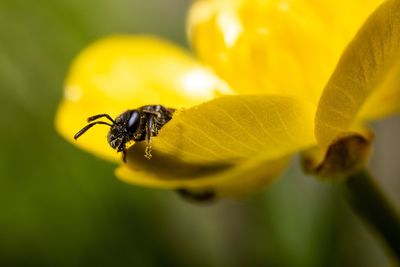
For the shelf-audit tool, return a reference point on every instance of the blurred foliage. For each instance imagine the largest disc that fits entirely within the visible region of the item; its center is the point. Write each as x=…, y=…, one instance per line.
x=62, y=207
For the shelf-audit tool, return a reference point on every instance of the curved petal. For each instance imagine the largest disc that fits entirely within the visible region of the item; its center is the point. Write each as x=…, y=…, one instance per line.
x=232, y=128
x=230, y=145
x=277, y=46
x=166, y=172
x=125, y=72
x=365, y=84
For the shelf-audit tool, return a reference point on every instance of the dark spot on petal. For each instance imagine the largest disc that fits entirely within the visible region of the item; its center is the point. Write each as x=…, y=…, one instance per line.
x=206, y=195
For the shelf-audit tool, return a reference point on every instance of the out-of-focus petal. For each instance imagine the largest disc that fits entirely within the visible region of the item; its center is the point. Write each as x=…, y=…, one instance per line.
x=366, y=82
x=231, y=144
x=275, y=46
x=124, y=72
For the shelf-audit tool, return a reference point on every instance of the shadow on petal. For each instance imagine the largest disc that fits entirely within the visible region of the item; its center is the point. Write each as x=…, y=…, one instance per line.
x=345, y=156
x=198, y=180
x=167, y=166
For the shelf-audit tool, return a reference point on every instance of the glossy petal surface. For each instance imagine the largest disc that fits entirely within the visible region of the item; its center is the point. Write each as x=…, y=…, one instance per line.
x=275, y=46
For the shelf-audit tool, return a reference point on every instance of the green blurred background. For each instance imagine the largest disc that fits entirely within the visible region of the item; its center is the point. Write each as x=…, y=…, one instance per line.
x=60, y=206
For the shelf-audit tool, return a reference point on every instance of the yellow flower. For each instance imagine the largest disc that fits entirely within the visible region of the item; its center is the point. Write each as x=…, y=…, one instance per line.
x=271, y=59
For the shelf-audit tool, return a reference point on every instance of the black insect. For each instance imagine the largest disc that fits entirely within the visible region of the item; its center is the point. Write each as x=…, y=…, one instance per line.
x=132, y=125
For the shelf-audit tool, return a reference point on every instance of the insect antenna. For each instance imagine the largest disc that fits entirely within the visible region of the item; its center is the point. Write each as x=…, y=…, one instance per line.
x=87, y=127
x=98, y=116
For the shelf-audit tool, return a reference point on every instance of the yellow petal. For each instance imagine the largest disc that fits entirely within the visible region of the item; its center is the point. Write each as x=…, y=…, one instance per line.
x=233, y=128
x=275, y=46
x=250, y=176
x=124, y=72
x=366, y=82
x=230, y=145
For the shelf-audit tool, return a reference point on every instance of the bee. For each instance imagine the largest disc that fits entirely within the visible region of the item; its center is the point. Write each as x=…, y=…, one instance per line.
x=137, y=125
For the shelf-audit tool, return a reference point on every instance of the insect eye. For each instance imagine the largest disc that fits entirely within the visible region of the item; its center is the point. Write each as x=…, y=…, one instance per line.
x=134, y=121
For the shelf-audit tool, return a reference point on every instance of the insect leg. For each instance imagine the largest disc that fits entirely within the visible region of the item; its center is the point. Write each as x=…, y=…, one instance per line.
x=124, y=155
x=149, y=133
x=98, y=116
x=87, y=127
